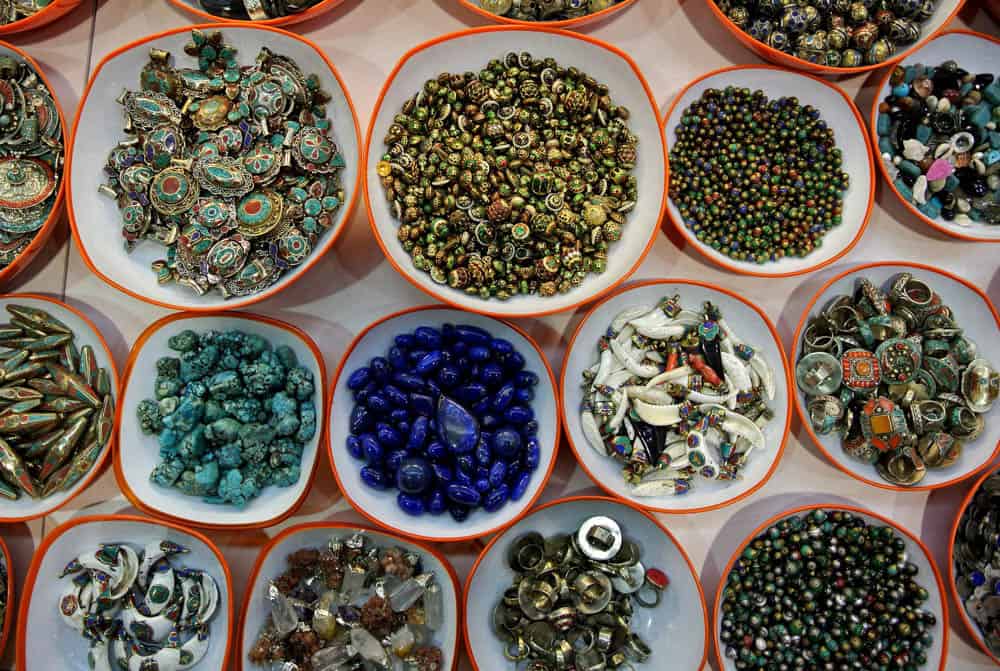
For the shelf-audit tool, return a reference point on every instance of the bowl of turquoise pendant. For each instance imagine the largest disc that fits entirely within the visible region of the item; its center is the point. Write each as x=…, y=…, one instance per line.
x=140, y=452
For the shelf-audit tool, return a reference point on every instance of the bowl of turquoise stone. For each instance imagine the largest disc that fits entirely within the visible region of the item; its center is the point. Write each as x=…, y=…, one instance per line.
x=140, y=453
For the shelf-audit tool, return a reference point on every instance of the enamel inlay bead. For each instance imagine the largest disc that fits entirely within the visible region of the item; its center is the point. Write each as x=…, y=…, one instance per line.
x=259, y=213
x=172, y=191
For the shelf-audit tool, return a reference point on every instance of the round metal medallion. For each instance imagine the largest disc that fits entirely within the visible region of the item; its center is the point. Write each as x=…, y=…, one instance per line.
x=227, y=256
x=172, y=191
x=25, y=182
x=259, y=213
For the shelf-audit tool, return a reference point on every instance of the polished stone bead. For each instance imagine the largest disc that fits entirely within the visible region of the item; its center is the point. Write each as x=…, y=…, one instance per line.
x=469, y=393
x=422, y=404
x=458, y=512
x=495, y=498
x=397, y=359
x=396, y=396
x=380, y=369
x=466, y=496
x=405, y=341
x=408, y=381
x=436, y=502
x=482, y=485
x=526, y=378
x=520, y=486
x=448, y=376
x=379, y=404
x=372, y=449
x=361, y=419
x=399, y=417
x=429, y=363
x=503, y=397
x=414, y=475
x=458, y=429
x=463, y=478
x=498, y=472
x=428, y=337
x=472, y=335
x=442, y=474
x=506, y=443
x=418, y=434
x=491, y=374
x=410, y=504
x=501, y=346
x=465, y=463
x=479, y=354
x=483, y=453
x=359, y=379
x=514, y=362
x=388, y=436
x=489, y=421
x=415, y=355
x=354, y=447
x=361, y=395
x=524, y=395
x=394, y=459
x=374, y=478
x=533, y=454
x=518, y=414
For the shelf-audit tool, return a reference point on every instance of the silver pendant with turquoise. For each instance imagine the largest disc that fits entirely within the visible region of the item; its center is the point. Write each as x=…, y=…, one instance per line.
x=173, y=191
x=214, y=213
x=291, y=249
x=254, y=277
x=315, y=151
x=263, y=161
x=148, y=109
x=226, y=257
x=259, y=213
x=223, y=176
x=162, y=144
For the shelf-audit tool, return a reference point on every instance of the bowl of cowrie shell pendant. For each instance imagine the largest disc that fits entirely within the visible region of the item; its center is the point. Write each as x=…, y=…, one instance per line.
x=676, y=396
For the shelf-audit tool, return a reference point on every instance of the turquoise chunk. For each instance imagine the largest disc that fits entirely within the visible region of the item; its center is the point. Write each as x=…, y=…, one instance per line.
x=951, y=183
x=884, y=145
x=932, y=208
x=923, y=133
x=994, y=140
x=992, y=92
x=992, y=156
x=965, y=88
x=910, y=168
x=975, y=215
x=903, y=189
x=882, y=125
x=977, y=115
x=900, y=90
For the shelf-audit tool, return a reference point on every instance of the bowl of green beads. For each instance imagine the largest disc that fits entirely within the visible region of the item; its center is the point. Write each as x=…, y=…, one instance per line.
x=771, y=171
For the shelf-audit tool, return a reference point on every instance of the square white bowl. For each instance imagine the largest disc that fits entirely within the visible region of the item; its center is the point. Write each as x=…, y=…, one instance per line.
x=56, y=647
x=850, y=135
x=973, y=52
x=272, y=562
x=95, y=218
x=748, y=323
x=974, y=314
x=138, y=452
x=380, y=506
x=471, y=50
x=928, y=577
x=27, y=508
x=676, y=629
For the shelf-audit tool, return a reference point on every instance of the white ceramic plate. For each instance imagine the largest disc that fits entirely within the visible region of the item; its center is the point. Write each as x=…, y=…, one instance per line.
x=927, y=576
x=56, y=647
x=747, y=323
x=380, y=506
x=140, y=453
x=850, y=135
x=95, y=217
x=273, y=562
x=973, y=313
x=975, y=53
x=26, y=508
x=472, y=50
x=675, y=630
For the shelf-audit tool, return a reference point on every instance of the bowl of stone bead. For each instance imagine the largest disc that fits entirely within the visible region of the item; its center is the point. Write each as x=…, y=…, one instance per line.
x=59, y=398
x=443, y=424
x=221, y=419
x=569, y=15
x=519, y=219
x=815, y=203
x=626, y=594
x=235, y=169
x=119, y=592
x=972, y=569
x=834, y=39
x=654, y=351
x=895, y=365
x=260, y=13
x=934, y=124
x=312, y=581
x=826, y=564
x=7, y=611
x=32, y=161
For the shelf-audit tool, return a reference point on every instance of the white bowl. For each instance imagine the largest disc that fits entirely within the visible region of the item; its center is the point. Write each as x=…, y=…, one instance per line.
x=380, y=506
x=850, y=135
x=973, y=52
x=676, y=630
x=928, y=576
x=140, y=452
x=974, y=314
x=748, y=322
x=472, y=50
x=40, y=627
x=95, y=218
x=272, y=562
x=27, y=508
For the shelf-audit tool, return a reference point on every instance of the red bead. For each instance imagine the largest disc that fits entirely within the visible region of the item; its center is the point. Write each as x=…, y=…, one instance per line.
x=657, y=578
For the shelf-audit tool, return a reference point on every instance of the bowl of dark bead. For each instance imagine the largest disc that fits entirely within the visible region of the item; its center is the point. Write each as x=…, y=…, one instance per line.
x=788, y=232
x=303, y=12
x=443, y=451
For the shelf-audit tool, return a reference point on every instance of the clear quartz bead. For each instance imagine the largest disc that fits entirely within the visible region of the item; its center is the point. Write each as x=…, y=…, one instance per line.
x=283, y=614
x=409, y=592
x=332, y=658
x=369, y=647
x=434, y=607
x=353, y=583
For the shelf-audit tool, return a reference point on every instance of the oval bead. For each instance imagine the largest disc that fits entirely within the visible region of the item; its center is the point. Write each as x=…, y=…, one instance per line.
x=428, y=337
x=529, y=429
x=422, y=404
x=525, y=379
x=399, y=416
x=379, y=368
x=354, y=447
x=514, y=362
x=361, y=419
x=436, y=502
x=361, y=395
x=418, y=434
x=458, y=512
x=491, y=374
x=482, y=485
x=489, y=421
x=436, y=450
x=520, y=487
x=470, y=393
x=359, y=378
x=466, y=496
x=396, y=396
x=397, y=358
x=394, y=459
x=405, y=341
x=506, y=443
x=501, y=346
x=415, y=355
x=524, y=395
x=479, y=354
x=408, y=381
x=374, y=478
x=465, y=463
x=442, y=474
x=462, y=478
x=448, y=376
x=459, y=348
x=410, y=504
x=518, y=414
x=414, y=475
x=503, y=398
x=371, y=448
x=379, y=404
x=388, y=436
x=483, y=453
x=473, y=335
x=533, y=454
x=429, y=363
x=498, y=472
x=495, y=498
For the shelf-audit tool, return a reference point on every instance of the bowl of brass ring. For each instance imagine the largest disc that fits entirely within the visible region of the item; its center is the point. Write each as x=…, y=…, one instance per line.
x=97, y=222
x=23, y=16
x=31, y=164
x=50, y=453
x=270, y=13
x=545, y=244
x=955, y=434
x=646, y=580
x=568, y=14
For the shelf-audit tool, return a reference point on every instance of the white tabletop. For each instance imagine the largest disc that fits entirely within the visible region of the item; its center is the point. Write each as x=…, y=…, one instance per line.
x=673, y=42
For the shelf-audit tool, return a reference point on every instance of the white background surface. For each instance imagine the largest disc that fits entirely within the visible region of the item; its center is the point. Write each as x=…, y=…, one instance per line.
x=673, y=42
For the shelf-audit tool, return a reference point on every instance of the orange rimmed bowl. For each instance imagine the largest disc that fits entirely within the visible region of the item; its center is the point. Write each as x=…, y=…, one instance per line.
x=9, y=612
x=95, y=219
x=676, y=629
x=970, y=626
x=22, y=260
x=568, y=24
x=945, y=11
x=194, y=8
x=271, y=562
x=472, y=49
x=839, y=112
x=380, y=507
x=974, y=52
x=917, y=552
x=978, y=318
x=138, y=452
x=56, y=10
x=27, y=508
x=56, y=647
x=748, y=322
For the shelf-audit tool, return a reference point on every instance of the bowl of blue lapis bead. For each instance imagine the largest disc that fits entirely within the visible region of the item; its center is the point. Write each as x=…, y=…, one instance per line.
x=444, y=424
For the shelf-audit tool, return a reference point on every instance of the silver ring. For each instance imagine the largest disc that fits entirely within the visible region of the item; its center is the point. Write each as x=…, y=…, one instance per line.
x=599, y=538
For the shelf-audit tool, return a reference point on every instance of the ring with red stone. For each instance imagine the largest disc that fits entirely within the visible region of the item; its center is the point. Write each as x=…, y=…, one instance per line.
x=656, y=582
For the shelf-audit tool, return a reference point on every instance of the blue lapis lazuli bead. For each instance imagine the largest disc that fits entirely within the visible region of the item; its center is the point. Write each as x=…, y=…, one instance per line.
x=361, y=419
x=533, y=454
x=398, y=416
x=501, y=346
x=410, y=504
x=520, y=487
x=396, y=396
x=359, y=379
x=526, y=378
x=496, y=498
x=397, y=358
x=448, y=376
x=514, y=362
x=506, y=443
x=379, y=404
x=374, y=478
x=482, y=485
x=504, y=397
x=462, y=494
x=458, y=512
x=442, y=474
x=354, y=447
x=498, y=472
x=388, y=436
x=418, y=434
x=408, y=381
x=491, y=374
x=472, y=335
x=470, y=393
x=457, y=429
x=422, y=404
x=372, y=448
x=436, y=502
x=394, y=459
x=518, y=414
x=436, y=450
x=429, y=363
x=414, y=475
x=428, y=337
x=379, y=368
x=479, y=354
x=405, y=340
